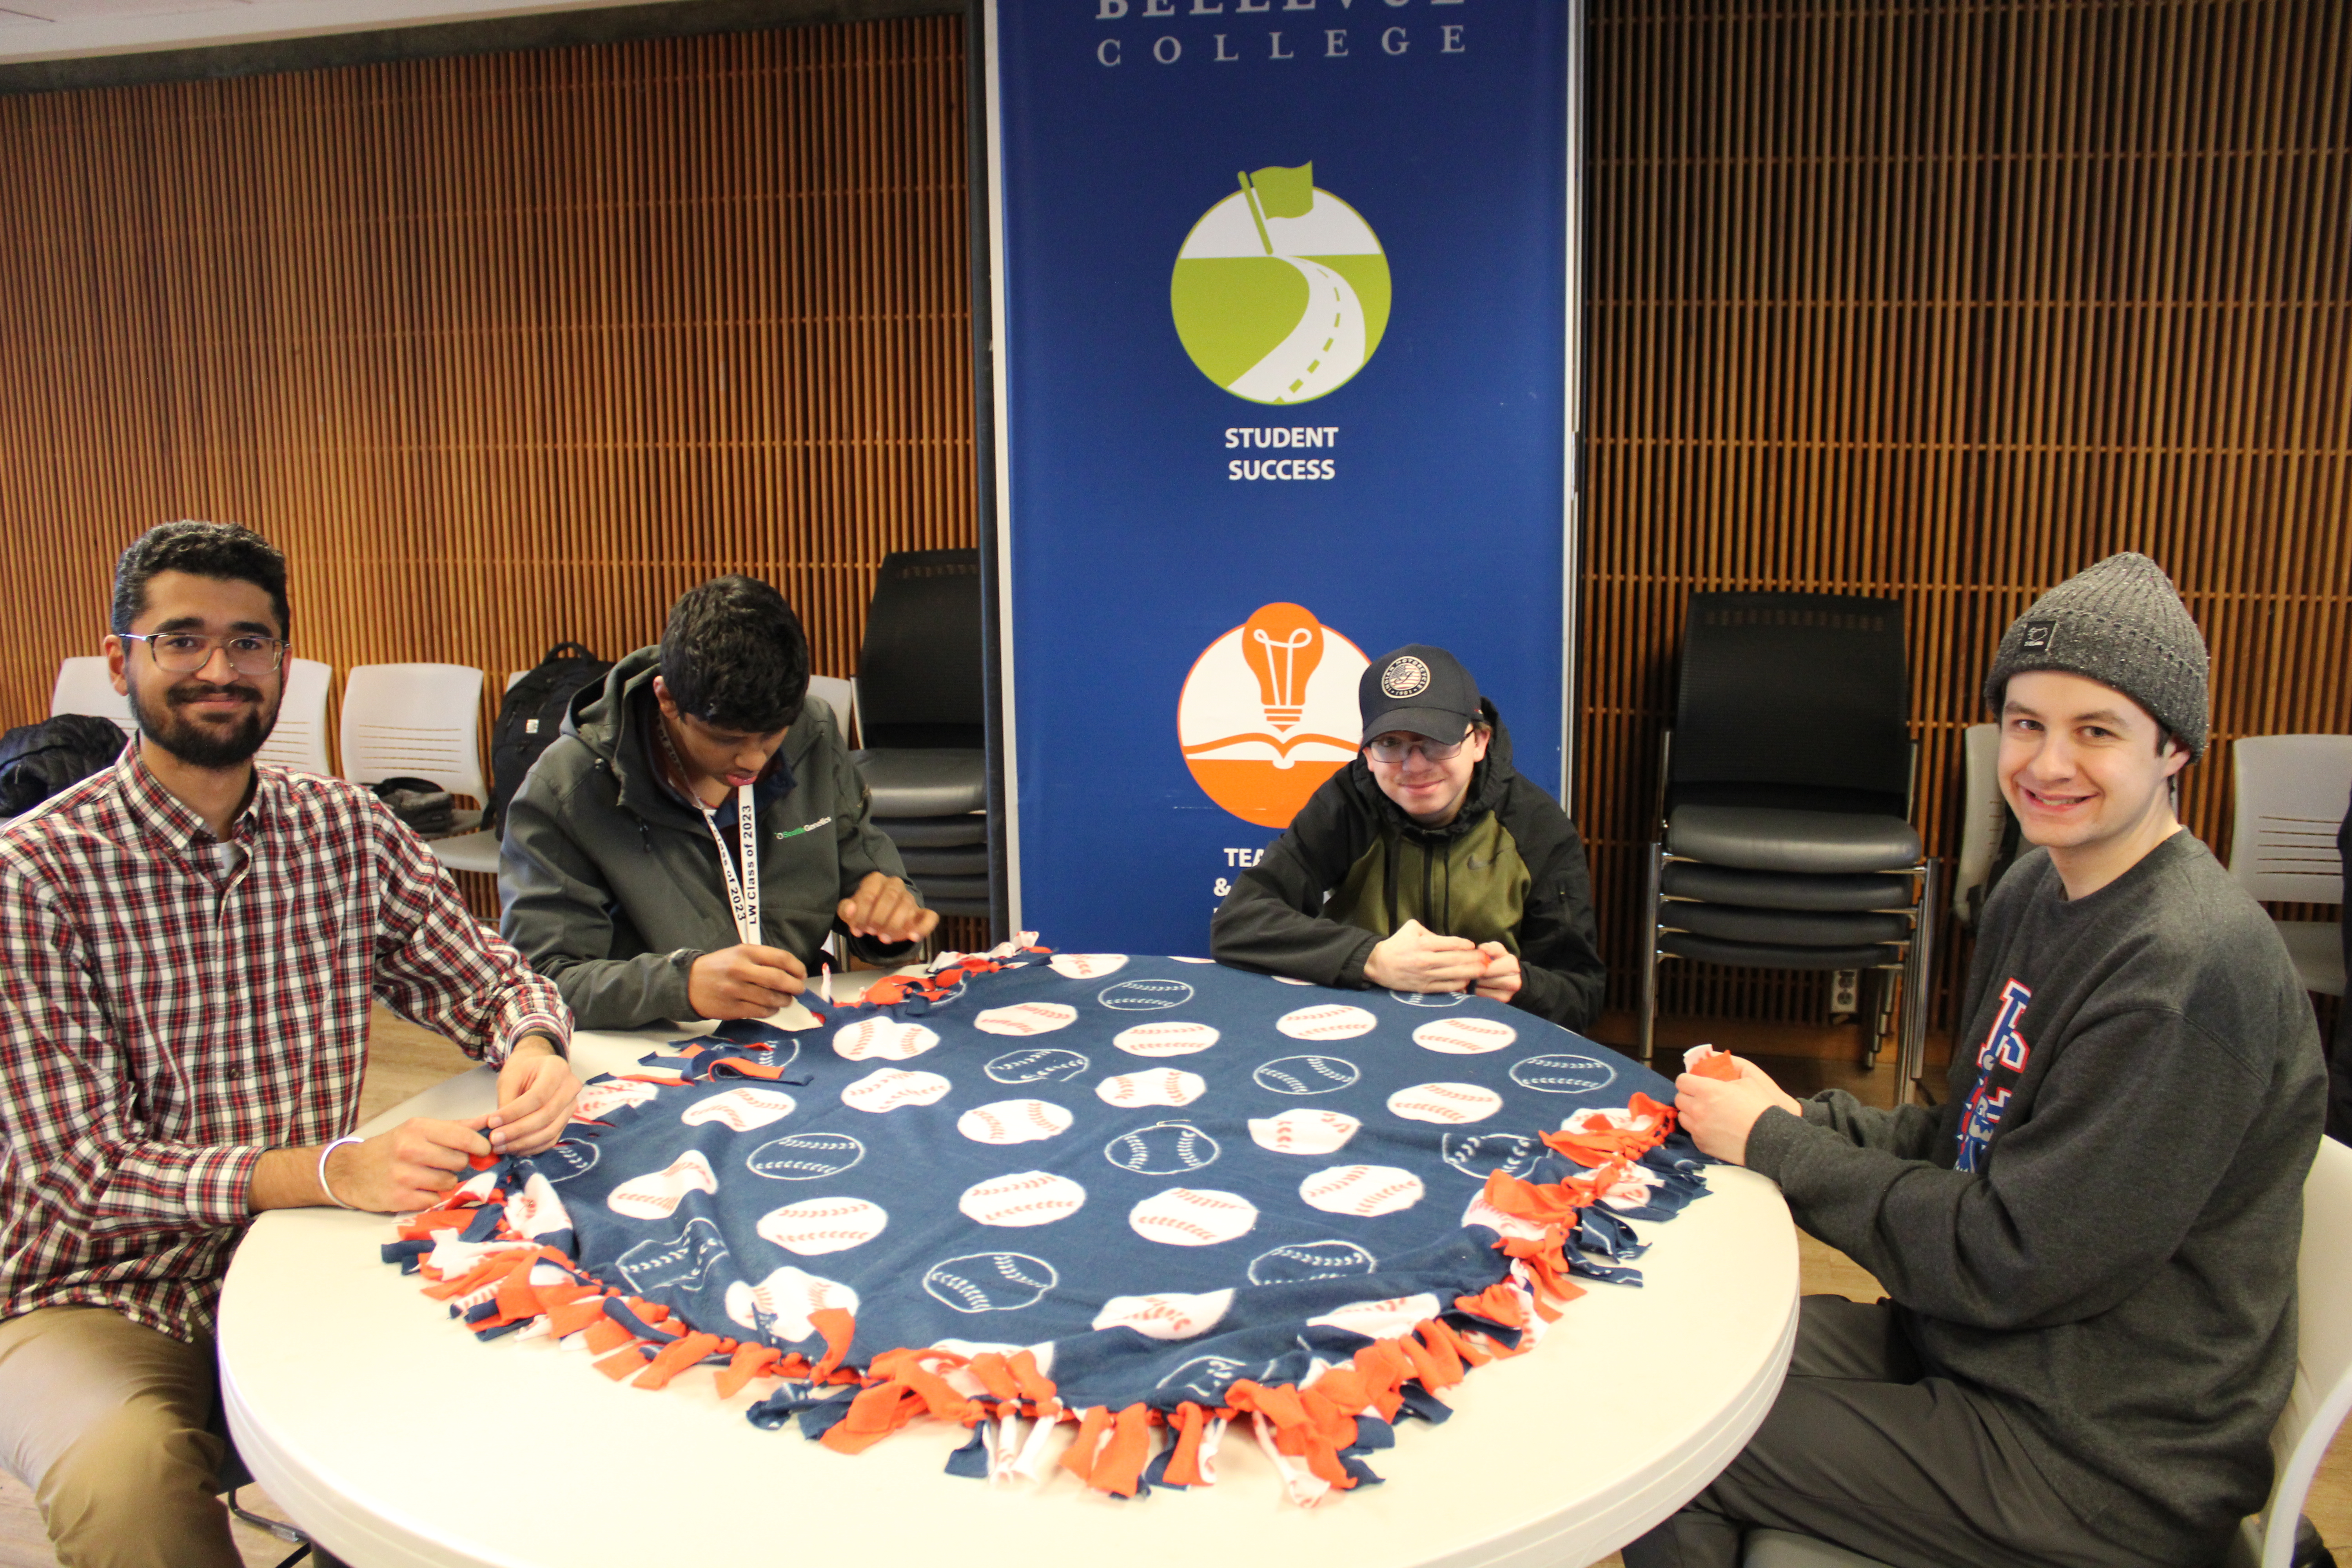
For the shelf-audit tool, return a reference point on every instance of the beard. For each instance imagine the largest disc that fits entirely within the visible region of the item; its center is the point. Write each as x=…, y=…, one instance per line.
x=202, y=746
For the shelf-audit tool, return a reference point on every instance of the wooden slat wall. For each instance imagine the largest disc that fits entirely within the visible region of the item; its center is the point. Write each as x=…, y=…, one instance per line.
x=500, y=350
x=1948, y=301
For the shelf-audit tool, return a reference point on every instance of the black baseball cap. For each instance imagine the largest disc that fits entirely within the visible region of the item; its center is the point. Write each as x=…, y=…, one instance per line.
x=1420, y=689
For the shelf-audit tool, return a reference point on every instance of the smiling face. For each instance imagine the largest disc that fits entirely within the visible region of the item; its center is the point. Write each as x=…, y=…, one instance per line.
x=718, y=760
x=2088, y=772
x=1429, y=792
x=215, y=717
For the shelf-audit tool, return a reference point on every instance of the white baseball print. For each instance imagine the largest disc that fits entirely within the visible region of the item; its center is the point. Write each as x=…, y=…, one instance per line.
x=885, y=1089
x=536, y=1211
x=600, y=1099
x=1480, y=1212
x=1468, y=1036
x=657, y=1196
x=1013, y=1122
x=1175, y=1037
x=1162, y=1149
x=1364, y=1191
x=1306, y=1074
x=1170, y=1315
x=1388, y=1320
x=1025, y=1197
x=1303, y=1132
x=882, y=1039
x=1562, y=1074
x=1326, y=1021
x=822, y=1224
x=1448, y=1104
x=785, y=1298
x=740, y=1108
x=804, y=1156
x=990, y=1281
x=1289, y=980
x=1026, y=1019
x=1164, y=1086
x=1087, y=965
x=1179, y=958
x=1192, y=1217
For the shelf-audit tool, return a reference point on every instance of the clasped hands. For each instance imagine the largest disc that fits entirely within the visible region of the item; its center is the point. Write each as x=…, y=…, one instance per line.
x=752, y=981
x=1417, y=959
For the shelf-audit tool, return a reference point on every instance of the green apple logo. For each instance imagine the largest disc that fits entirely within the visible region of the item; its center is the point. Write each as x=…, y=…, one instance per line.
x=1281, y=292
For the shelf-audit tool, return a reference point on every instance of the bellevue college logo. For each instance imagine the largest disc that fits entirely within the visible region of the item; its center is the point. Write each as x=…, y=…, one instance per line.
x=1281, y=292
x=1269, y=712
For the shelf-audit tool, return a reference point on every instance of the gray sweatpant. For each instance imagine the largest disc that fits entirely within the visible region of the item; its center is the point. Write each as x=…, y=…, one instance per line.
x=1860, y=1451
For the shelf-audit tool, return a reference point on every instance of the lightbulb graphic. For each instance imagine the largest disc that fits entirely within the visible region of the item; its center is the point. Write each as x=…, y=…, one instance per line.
x=1283, y=643
x=1268, y=712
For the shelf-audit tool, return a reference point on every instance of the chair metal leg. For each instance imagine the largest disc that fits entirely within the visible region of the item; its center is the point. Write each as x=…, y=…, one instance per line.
x=1647, y=1029
x=1877, y=990
x=1918, y=966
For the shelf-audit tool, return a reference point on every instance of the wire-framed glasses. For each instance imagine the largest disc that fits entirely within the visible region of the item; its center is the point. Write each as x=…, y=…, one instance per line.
x=185, y=653
x=1391, y=750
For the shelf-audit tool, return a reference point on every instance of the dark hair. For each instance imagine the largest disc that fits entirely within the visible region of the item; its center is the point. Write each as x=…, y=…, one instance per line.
x=733, y=655
x=227, y=551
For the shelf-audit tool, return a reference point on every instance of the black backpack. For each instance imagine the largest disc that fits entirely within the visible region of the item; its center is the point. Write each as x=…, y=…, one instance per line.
x=37, y=760
x=531, y=716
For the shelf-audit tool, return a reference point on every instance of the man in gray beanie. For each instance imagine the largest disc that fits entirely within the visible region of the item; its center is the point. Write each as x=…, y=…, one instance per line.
x=2090, y=1247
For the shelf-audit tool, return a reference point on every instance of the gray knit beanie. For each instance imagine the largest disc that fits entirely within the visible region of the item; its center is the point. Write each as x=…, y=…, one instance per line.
x=2122, y=624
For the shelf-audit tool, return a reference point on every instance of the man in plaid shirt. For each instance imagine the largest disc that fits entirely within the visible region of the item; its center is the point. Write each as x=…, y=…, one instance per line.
x=188, y=947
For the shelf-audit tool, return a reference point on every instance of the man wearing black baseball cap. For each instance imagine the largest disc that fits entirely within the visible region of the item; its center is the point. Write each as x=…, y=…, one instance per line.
x=1427, y=864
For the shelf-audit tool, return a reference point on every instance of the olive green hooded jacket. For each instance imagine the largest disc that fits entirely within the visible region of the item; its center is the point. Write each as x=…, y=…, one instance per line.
x=1353, y=868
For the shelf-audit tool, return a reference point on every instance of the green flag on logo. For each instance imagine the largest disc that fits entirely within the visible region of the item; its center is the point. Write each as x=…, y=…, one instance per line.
x=1284, y=193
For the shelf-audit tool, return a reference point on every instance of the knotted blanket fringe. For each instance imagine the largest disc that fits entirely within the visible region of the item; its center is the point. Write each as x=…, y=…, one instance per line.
x=499, y=1282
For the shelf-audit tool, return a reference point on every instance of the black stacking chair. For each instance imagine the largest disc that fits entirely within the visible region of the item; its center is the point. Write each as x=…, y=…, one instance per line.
x=1785, y=794
x=922, y=713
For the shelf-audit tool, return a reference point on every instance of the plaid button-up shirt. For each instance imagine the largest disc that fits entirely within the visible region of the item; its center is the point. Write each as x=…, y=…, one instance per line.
x=172, y=1006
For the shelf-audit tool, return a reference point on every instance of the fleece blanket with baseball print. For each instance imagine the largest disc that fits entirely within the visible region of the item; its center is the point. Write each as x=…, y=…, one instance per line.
x=1094, y=1207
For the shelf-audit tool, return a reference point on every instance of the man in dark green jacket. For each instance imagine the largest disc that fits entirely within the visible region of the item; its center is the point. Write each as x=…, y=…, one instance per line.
x=622, y=873
x=1427, y=864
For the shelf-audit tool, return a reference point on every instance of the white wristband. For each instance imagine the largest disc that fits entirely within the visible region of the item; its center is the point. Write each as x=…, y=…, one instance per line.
x=324, y=1154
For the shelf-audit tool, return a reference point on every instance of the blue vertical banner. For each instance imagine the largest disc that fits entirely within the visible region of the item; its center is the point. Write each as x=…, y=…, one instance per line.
x=1283, y=294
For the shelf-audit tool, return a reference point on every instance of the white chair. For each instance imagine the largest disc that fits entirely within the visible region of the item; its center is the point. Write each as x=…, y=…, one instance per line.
x=1984, y=817
x=841, y=697
x=300, y=740
x=422, y=720
x=2291, y=796
x=2322, y=1395
x=85, y=687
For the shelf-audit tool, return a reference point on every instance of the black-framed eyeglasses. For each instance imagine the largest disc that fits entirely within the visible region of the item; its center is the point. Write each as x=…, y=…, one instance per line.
x=185, y=653
x=1430, y=750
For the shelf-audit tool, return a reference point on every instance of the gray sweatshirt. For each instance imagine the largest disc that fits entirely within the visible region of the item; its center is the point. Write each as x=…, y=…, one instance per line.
x=2138, y=1087
x=610, y=881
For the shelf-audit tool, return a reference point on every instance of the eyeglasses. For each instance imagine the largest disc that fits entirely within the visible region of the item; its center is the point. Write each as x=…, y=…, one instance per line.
x=1395, y=751
x=185, y=653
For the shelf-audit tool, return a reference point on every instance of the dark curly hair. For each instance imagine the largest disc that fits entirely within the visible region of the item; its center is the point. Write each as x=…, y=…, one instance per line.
x=223, y=550
x=734, y=655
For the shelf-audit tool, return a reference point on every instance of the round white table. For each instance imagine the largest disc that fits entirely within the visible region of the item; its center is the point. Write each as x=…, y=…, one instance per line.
x=395, y=1437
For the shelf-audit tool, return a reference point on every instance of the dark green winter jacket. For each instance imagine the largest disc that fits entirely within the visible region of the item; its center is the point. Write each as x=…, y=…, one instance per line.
x=1352, y=868
x=610, y=881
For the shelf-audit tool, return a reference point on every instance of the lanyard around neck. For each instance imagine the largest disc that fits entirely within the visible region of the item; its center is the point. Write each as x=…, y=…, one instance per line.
x=744, y=891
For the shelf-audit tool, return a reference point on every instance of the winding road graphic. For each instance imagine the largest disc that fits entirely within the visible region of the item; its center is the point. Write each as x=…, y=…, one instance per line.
x=1322, y=350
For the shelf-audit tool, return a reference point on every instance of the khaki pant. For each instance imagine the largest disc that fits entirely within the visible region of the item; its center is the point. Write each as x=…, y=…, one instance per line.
x=107, y=1422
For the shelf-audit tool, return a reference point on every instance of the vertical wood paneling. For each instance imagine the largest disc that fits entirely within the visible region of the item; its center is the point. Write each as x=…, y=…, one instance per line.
x=502, y=349
x=1946, y=302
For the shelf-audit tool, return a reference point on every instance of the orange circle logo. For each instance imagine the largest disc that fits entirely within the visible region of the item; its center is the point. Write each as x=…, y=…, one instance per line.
x=1269, y=712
